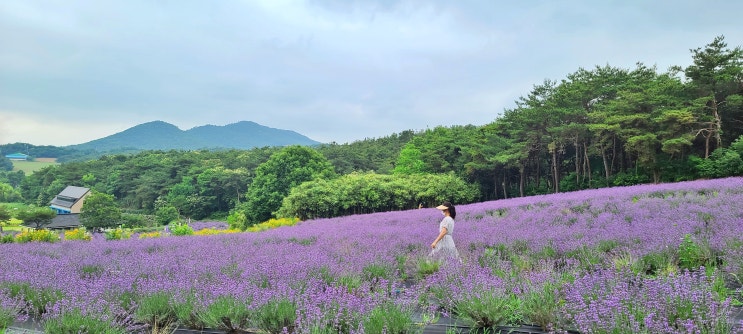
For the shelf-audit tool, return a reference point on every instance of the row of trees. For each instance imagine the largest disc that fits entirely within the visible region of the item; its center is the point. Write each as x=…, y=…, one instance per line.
x=359, y=193
x=601, y=127
x=595, y=128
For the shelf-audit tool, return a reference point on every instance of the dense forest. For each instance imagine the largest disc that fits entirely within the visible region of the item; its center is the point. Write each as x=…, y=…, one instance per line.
x=598, y=127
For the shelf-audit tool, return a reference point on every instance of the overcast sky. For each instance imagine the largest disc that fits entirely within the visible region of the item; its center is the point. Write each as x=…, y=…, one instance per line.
x=334, y=70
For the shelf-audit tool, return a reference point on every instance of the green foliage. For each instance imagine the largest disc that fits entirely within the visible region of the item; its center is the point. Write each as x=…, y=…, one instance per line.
x=491, y=308
x=5, y=163
x=653, y=264
x=275, y=178
x=226, y=313
x=100, y=211
x=118, y=234
x=409, y=161
x=37, y=236
x=180, y=229
x=76, y=322
x=9, y=194
x=237, y=220
x=629, y=179
x=542, y=306
x=9, y=312
x=4, y=215
x=722, y=162
x=370, y=192
x=138, y=220
x=137, y=181
x=277, y=316
x=156, y=310
x=273, y=223
x=184, y=309
x=7, y=239
x=371, y=154
x=37, y=299
x=426, y=266
x=692, y=255
x=375, y=272
x=36, y=217
x=166, y=215
x=388, y=318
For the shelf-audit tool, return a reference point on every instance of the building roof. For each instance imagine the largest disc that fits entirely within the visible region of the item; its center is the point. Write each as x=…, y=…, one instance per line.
x=69, y=196
x=61, y=222
x=16, y=156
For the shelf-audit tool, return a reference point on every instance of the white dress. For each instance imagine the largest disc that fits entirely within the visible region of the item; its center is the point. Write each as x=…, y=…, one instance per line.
x=445, y=248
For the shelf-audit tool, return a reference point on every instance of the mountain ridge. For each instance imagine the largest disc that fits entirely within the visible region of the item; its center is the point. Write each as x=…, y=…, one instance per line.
x=160, y=135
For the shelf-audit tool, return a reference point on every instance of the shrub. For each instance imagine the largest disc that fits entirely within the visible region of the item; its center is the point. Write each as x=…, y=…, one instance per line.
x=277, y=316
x=237, y=220
x=490, y=308
x=541, y=306
x=181, y=229
x=36, y=299
x=7, y=239
x=226, y=313
x=10, y=311
x=155, y=234
x=693, y=255
x=427, y=267
x=214, y=231
x=374, y=272
x=185, y=311
x=155, y=310
x=388, y=318
x=76, y=322
x=273, y=223
x=655, y=263
x=118, y=234
x=138, y=220
x=37, y=235
x=78, y=234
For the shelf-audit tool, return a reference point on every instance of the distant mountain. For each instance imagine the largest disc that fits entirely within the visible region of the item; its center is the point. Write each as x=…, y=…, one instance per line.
x=159, y=135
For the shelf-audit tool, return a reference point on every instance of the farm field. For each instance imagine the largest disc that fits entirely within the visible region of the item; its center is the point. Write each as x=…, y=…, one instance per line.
x=29, y=167
x=664, y=258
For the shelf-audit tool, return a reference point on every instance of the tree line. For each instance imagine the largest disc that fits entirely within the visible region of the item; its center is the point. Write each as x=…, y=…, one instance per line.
x=598, y=127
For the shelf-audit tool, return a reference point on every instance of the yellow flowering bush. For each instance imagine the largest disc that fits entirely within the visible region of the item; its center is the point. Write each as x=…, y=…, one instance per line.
x=78, y=234
x=214, y=231
x=37, y=235
x=155, y=234
x=273, y=223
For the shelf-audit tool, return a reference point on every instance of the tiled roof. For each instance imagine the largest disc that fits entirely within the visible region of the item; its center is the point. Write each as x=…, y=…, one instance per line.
x=61, y=222
x=74, y=192
x=69, y=196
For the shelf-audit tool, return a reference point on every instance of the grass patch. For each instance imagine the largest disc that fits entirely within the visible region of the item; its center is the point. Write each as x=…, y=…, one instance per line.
x=13, y=224
x=29, y=167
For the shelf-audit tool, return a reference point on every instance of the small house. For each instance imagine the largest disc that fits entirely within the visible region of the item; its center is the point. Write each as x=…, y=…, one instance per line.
x=70, y=200
x=17, y=156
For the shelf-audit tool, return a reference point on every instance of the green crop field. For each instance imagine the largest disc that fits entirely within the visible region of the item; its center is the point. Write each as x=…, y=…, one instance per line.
x=29, y=167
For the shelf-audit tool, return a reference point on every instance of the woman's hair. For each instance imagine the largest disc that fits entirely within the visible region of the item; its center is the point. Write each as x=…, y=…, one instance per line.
x=451, y=209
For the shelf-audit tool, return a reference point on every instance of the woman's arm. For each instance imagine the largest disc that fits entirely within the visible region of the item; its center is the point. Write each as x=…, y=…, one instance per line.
x=441, y=235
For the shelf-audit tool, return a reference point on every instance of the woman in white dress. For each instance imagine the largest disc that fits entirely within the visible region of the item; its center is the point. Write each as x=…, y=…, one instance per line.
x=443, y=246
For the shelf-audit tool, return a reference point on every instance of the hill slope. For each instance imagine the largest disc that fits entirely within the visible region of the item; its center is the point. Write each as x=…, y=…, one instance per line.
x=159, y=135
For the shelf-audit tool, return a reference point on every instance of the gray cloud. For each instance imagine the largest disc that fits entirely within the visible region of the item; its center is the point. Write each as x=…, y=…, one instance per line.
x=332, y=70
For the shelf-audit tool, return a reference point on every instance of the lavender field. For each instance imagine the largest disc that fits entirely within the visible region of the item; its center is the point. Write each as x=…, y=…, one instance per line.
x=662, y=258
